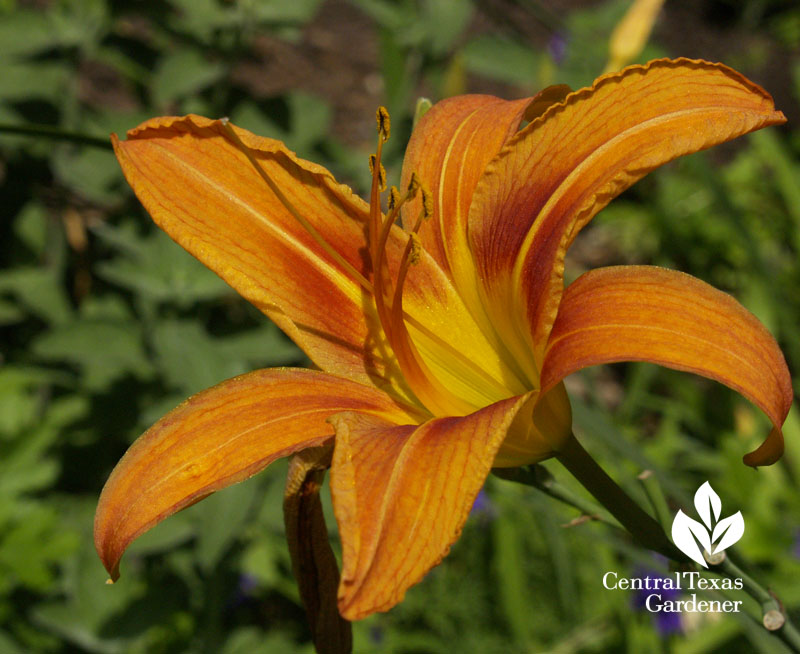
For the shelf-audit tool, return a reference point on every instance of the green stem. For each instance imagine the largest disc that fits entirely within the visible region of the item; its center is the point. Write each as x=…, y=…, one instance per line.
x=539, y=477
x=605, y=490
x=753, y=588
x=772, y=615
x=656, y=497
x=51, y=132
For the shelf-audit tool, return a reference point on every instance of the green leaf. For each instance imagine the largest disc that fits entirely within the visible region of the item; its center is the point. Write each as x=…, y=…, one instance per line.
x=104, y=351
x=309, y=121
x=25, y=33
x=30, y=226
x=29, y=548
x=80, y=23
x=164, y=537
x=219, y=519
x=387, y=13
x=201, y=18
x=443, y=22
x=39, y=290
x=10, y=313
x=508, y=561
x=158, y=269
x=280, y=11
x=182, y=73
x=91, y=172
x=8, y=646
x=19, y=407
x=264, y=346
x=500, y=58
x=28, y=81
x=250, y=640
x=189, y=359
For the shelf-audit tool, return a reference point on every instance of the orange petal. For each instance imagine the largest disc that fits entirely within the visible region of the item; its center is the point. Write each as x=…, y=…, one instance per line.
x=401, y=495
x=644, y=313
x=560, y=170
x=449, y=151
x=201, y=189
x=219, y=437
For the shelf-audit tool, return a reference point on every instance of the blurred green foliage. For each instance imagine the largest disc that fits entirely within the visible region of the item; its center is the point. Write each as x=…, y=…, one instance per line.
x=106, y=324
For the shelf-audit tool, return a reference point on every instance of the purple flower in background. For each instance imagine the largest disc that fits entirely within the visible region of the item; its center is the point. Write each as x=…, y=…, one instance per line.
x=244, y=593
x=557, y=47
x=665, y=623
x=796, y=544
x=483, y=509
x=376, y=635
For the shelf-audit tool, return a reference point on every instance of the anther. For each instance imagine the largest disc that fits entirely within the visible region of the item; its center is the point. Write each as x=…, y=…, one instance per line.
x=413, y=185
x=384, y=124
x=427, y=203
x=416, y=249
x=382, y=179
x=394, y=197
x=373, y=159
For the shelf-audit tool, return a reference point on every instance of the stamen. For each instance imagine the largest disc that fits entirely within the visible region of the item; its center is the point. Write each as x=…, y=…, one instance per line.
x=427, y=203
x=394, y=197
x=410, y=257
x=384, y=124
x=373, y=161
x=414, y=184
x=380, y=271
x=395, y=206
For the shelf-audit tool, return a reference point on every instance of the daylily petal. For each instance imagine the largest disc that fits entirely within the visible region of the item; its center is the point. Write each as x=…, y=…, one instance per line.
x=313, y=562
x=449, y=150
x=401, y=495
x=203, y=191
x=540, y=429
x=560, y=170
x=645, y=313
x=221, y=436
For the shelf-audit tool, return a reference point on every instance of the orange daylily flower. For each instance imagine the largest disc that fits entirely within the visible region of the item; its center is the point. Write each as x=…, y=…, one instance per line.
x=441, y=345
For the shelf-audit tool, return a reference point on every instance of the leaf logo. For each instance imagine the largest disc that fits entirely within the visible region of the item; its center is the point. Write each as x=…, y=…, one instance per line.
x=687, y=533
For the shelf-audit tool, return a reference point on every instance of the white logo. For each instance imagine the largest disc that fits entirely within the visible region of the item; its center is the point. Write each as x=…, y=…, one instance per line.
x=687, y=533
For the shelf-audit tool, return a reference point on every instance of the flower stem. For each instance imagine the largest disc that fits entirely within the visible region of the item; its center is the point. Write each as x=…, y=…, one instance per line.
x=51, y=132
x=540, y=478
x=773, y=617
x=656, y=497
x=605, y=490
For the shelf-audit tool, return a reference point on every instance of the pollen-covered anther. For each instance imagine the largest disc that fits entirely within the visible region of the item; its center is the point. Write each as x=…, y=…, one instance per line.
x=415, y=252
x=394, y=198
x=427, y=203
x=384, y=124
x=413, y=185
x=373, y=160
